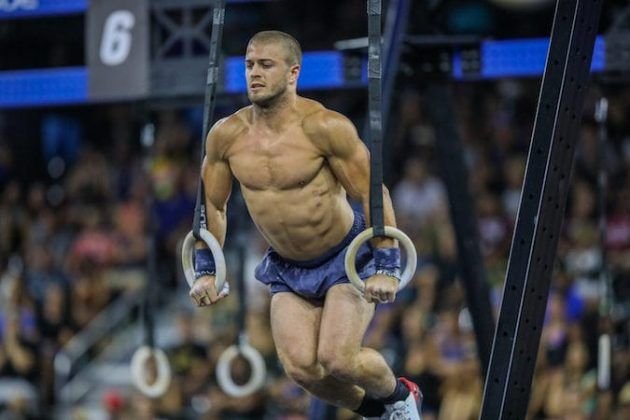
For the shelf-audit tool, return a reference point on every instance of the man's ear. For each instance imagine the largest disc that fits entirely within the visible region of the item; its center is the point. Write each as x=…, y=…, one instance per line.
x=295, y=73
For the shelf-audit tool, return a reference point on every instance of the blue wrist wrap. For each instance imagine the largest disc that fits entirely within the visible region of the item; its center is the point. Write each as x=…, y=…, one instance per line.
x=204, y=263
x=386, y=258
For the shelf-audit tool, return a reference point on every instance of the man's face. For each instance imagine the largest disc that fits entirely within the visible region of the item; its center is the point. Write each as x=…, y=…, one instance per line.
x=267, y=72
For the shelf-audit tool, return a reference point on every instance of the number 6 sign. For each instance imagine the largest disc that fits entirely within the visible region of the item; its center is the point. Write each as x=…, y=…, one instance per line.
x=118, y=49
x=117, y=37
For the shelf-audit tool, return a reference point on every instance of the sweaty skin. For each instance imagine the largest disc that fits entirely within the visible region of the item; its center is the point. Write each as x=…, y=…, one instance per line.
x=292, y=177
x=296, y=162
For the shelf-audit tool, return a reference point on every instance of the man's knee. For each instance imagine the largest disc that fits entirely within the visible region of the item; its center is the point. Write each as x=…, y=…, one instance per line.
x=337, y=363
x=304, y=373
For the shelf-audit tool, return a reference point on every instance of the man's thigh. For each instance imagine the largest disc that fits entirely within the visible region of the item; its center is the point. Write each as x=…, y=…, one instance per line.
x=345, y=319
x=295, y=326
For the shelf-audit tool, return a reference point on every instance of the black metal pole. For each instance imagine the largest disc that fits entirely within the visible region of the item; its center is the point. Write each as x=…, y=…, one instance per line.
x=543, y=201
x=604, y=345
x=147, y=137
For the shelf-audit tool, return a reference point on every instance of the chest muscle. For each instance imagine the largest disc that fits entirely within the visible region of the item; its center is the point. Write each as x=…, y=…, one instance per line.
x=261, y=163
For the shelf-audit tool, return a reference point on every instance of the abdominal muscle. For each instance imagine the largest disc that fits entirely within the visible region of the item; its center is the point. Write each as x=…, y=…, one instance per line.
x=304, y=222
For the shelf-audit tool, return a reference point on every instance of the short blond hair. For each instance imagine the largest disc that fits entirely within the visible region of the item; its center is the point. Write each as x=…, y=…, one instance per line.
x=290, y=44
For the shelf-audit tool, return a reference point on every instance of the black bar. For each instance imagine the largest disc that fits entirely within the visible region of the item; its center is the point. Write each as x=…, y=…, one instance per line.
x=601, y=117
x=395, y=28
x=150, y=291
x=455, y=175
x=606, y=299
x=241, y=249
x=149, y=302
x=541, y=210
x=375, y=117
x=199, y=218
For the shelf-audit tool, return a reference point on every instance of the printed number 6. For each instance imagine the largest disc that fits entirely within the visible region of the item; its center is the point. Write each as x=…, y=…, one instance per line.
x=116, y=40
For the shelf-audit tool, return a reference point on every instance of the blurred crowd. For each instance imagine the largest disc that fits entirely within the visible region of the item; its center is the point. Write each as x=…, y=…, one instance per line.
x=81, y=197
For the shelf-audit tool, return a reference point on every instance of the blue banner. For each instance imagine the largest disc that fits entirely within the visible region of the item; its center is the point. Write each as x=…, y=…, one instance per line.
x=62, y=86
x=13, y=9
x=525, y=57
x=320, y=70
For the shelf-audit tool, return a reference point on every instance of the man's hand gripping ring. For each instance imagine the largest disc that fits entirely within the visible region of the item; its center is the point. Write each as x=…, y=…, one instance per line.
x=391, y=232
x=188, y=264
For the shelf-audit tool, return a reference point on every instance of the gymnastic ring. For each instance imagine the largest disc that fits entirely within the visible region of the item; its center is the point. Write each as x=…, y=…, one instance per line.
x=256, y=362
x=163, y=379
x=391, y=232
x=189, y=265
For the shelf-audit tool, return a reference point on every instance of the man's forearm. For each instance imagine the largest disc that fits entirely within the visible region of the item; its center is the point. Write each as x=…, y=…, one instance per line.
x=389, y=219
x=216, y=223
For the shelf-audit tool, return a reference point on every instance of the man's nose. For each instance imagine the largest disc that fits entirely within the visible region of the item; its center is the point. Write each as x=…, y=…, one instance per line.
x=254, y=71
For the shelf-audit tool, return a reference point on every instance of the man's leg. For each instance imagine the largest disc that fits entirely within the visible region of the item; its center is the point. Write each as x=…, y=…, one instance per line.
x=295, y=324
x=344, y=320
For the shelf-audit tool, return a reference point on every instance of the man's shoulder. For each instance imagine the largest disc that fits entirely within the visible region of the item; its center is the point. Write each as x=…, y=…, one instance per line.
x=317, y=119
x=232, y=125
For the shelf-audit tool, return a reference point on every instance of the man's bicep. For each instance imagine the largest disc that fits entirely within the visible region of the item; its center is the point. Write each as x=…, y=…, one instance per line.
x=215, y=170
x=350, y=161
x=217, y=182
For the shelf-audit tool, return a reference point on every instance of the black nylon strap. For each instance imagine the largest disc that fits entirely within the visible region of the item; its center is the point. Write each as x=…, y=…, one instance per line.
x=150, y=294
x=199, y=218
x=241, y=321
x=601, y=117
x=149, y=301
x=375, y=132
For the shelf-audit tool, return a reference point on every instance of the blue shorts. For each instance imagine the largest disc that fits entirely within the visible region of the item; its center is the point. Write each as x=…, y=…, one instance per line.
x=311, y=279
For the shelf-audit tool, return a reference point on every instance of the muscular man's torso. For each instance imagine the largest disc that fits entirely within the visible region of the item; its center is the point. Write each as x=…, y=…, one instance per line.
x=292, y=195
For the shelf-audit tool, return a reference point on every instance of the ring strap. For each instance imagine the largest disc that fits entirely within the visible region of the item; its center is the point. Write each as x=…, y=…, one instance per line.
x=218, y=19
x=375, y=133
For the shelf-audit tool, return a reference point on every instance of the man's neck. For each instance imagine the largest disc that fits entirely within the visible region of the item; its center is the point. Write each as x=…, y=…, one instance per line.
x=275, y=115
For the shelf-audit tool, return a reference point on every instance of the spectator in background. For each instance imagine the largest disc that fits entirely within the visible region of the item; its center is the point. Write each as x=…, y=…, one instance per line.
x=189, y=360
x=6, y=163
x=459, y=368
x=583, y=258
x=618, y=229
x=89, y=181
x=19, y=361
x=61, y=138
x=18, y=355
x=173, y=192
x=12, y=220
x=494, y=226
x=56, y=329
x=419, y=196
x=412, y=134
x=130, y=238
x=40, y=272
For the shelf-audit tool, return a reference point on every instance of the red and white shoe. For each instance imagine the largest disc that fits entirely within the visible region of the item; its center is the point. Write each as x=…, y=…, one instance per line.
x=407, y=409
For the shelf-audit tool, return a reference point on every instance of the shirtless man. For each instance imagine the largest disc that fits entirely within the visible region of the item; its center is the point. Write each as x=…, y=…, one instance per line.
x=295, y=161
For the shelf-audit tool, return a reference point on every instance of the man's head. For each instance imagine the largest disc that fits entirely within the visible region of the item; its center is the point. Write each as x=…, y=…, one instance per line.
x=272, y=62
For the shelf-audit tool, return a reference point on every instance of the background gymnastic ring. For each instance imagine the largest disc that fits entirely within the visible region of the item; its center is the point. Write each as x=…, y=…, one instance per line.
x=187, y=258
x=258, y=370
x=391, y=232
x=163, y=379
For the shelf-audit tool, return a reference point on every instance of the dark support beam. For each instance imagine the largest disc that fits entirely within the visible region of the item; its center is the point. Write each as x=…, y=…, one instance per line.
x=543, y=201
x=455, y=175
